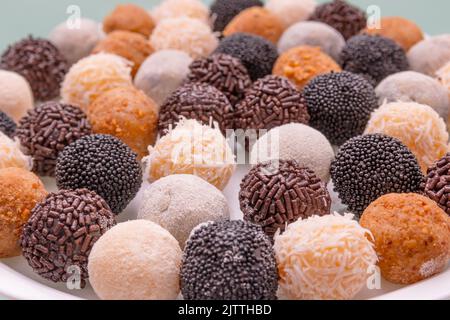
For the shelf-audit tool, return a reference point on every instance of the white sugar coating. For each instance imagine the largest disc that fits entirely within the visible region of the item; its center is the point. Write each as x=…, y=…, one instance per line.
x=186, y=34
x=291, y=11
x=180, y=202
x=162, y=73
x=94, y=75
x=299, y=142
x=312, y=33
x=11, y=155
x=16, y=97
x=135, y=260
x=324, y=258
x=411, y=86
x=430, y=54
x=76, y=42
x=444, y=77
x=181, y=8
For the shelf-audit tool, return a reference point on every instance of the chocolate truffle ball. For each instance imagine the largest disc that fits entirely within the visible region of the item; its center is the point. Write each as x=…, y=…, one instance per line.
x=199, y=101
x=270, y=102
x=224, y=72
x=276, y=193
x=437, y=183
x=344, y=17
x=58, y=237
x=374, y=57
x=129, y=17
x=256, y=53
x=47, y=70
x=228, y=260
x=47, y=129
x=7, y=125
x=431, y=54
x=340, y=105
x=103, y=164
x=369, y=166
x=223, y=11
x=16, y=97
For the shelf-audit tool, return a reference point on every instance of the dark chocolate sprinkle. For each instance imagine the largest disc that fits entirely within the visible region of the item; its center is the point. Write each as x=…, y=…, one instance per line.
x=437, y=183
x=7, y=125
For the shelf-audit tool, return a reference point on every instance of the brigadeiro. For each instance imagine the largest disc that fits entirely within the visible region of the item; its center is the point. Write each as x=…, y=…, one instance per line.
x=437, y=183
x=340, y=105
x=199, y=101
x=224, y=72
x=129, y=17
x=223, y=11
x=228, y=260
x=58, y=237
x=257, y=54
x=344, y=17
x=374, y=57
x=47, y=129
x=276, y=193
x=7, y=125
x=369, y=166
x=291, y=11
x=103, y=164
x=47, y=70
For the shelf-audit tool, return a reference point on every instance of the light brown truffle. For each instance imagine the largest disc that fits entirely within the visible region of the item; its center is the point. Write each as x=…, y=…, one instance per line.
x=129, y=17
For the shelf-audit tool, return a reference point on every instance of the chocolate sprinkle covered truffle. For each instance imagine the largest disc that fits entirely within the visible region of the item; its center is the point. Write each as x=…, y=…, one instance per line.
x=228, y=260
x=369, y=166
x=257, y=54
x=274, y=194
x=103, y=164
x=437, y=183
x=374, y=57
x=340, y=105
x=7, y=125
x=46, y=130
x=223, y=11
x=40, y=63
x=224, y=72
x=58, y=237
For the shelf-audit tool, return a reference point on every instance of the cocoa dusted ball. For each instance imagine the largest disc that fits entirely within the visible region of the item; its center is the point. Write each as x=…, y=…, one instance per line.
x=46, y=130
x=7, y=125
x=437, y=183
x=228, y=260
x=369, y=166
x=58, y=237
x=340, y=105
x=276, y=193
x=223, y=72
x=40, y=63
x=103, y=164
x=199, y=101
x=223, y=11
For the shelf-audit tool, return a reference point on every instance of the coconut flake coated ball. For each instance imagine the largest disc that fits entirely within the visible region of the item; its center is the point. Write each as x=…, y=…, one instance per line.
x=129, y=17
x=299, y=142
x=94, y=75
x=11, y=154
x=412, y=236
x=162, y=73
x=324, y=258
x=314, y=34
x=186, y=34
x=291, y=11
x=135, y=260
x=7, y=125
x=223, y=11
x=76, y=42
x=418, y=126
x=21, y=191
x=181, y=8
x=180, y=202
x=16, y=97
x=430, y=54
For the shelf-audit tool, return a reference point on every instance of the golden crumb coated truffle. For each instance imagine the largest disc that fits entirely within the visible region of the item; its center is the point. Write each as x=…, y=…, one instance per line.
x=412, y=236
x=21, y=191
x=129, y=45
x=301, y=64
x=127, y=113
x=129, y=17
x=258, y=21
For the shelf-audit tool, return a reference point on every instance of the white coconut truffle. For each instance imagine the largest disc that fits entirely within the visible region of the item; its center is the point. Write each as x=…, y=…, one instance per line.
x=135, y=260
x=11, y=155
x=16, y=97
x=76, y=42
x=430, y=54
x=299, y=142
x=411, y=86
x=180, y=8
x=162, y=73
x=312, y=33
x=180, y=202
x=291, y=11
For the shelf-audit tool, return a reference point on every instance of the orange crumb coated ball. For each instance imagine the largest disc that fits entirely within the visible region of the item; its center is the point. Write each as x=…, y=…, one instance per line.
x=21, y=190
x=301, y=64
x=412, y=236
x=129, y=17
x=128, y=114
x=258, y=21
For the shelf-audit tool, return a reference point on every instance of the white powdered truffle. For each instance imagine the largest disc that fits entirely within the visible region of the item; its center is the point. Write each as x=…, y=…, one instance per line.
x=16, y=97
x=291, y=11
x=430, y=55
x=181, y=8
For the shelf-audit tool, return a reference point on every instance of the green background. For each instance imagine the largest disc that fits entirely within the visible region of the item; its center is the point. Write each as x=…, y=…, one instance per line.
x=18, y=18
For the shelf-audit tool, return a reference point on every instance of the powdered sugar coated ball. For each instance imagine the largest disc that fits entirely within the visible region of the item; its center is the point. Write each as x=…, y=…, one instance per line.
x=291, y=11
x=444, y=76
x=430, y=55
x=181, y=8
x=16, y=97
